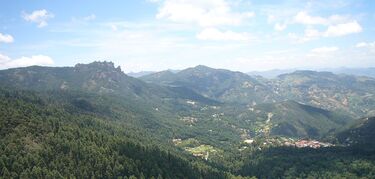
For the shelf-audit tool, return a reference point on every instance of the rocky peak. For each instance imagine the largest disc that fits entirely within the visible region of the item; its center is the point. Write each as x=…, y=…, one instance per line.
x=98, y=65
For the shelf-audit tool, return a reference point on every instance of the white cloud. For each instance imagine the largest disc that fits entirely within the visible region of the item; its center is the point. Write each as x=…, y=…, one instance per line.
x=300, y=60
x=324, y=49
x=4, y=58
x=206, y=13
x=39, y=16
x=365, y=44
x=336, y=25
x=114, y=27
x=7, y=62
x=343, y=29
x=90, y=17
x=367, y=47
x=332, y=31
x=271, y=18
x=6, y=38
x=215, y=34
x=309, y=34
x=280, y=27
x=259, y=63
x=322, y=52
x=361, y=44
x=303, y=17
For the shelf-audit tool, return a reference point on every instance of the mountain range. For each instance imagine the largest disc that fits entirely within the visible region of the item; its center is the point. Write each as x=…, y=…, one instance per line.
x=344, y=93
x=369, y=72
x=205, y=121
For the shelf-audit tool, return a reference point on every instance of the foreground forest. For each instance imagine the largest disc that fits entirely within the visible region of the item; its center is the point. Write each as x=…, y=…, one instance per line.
x=44, y=137
x=93, y=121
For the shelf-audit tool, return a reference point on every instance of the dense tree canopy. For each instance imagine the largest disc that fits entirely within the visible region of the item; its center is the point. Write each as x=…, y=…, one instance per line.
x=41, y=138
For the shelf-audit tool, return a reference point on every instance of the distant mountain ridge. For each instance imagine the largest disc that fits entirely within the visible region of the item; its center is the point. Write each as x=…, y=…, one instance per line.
x=140, y=74
x=369, y=72
x=218, y=84
x=346, y=93
x=270, y=73
x=101, y=77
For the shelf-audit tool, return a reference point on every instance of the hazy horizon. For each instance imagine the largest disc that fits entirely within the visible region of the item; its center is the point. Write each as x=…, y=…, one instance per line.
x=127, y=71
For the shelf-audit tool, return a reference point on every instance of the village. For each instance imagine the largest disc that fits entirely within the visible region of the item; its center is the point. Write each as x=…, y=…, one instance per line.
x=308, y=143
x=284, y=141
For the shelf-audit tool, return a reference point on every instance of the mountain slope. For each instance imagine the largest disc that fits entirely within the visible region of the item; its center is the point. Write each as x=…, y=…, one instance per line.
x=362, y=132
x=347, y=94
x=163, y=77
x=154, y=108
x=352, y=95
x=222, y=85
x=292, y=119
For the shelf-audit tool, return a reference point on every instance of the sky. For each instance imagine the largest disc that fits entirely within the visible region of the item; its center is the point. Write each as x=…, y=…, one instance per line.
x=154, y=35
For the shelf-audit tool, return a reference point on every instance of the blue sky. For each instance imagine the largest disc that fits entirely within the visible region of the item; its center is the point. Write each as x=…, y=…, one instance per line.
x=138, y=35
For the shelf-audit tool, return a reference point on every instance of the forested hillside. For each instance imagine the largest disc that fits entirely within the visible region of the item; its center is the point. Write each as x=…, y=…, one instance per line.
x=360, y=133
x=56, y=135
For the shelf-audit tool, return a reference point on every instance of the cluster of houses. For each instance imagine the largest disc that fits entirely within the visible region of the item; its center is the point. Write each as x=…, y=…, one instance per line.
x=308, y=143
x=176, y=141
x=189, y=120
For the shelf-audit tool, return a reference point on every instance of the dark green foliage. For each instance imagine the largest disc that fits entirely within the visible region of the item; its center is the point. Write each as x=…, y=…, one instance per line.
x=42, y=138
x=334, y=162
x=361, y=133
